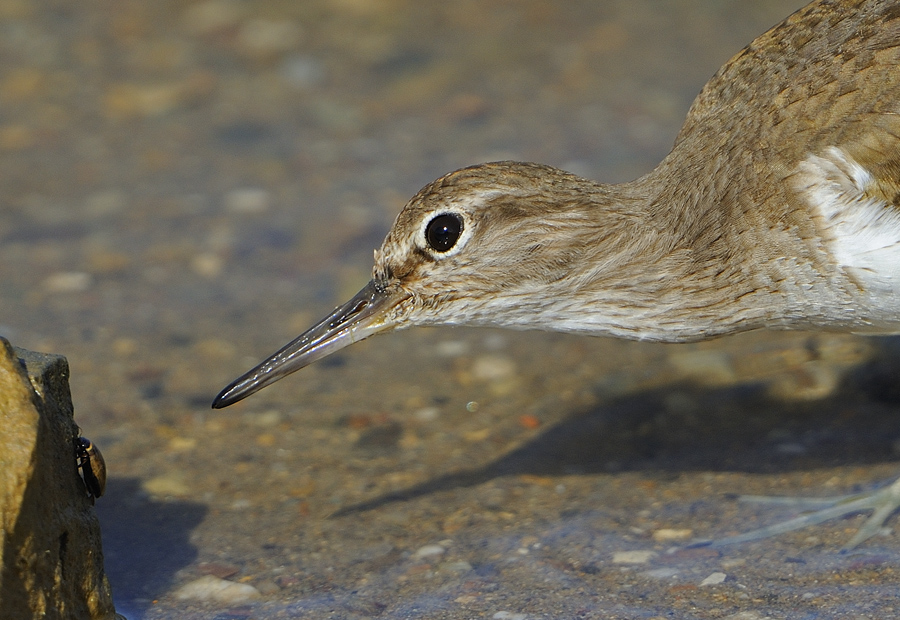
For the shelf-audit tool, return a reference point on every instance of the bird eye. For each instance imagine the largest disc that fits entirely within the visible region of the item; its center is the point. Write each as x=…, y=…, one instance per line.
x=443, y=232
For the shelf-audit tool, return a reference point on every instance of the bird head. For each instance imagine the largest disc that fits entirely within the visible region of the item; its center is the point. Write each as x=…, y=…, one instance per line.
x=478, y=246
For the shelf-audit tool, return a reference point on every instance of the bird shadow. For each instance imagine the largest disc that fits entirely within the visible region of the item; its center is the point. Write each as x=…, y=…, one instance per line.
x=145, y=542
x=685, y=427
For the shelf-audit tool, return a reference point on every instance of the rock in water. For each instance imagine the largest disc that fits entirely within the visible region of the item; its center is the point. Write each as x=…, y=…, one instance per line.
x=50, y=553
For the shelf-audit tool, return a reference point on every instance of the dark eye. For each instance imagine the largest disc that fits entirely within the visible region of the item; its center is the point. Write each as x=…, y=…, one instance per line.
x=443, y=232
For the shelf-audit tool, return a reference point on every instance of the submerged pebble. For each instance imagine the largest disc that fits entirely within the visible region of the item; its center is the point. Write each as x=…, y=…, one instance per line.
x=661, y=573
x=67, y=282
x=247, y=200
x=211, y=588
x=670, y=534
x=428, y=551
x=632, y=557
x=167, y=485
x=508, y=615
x=713, y=579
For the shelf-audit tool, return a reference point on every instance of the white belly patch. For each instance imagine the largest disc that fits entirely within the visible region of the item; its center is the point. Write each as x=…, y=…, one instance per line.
x=864, y=229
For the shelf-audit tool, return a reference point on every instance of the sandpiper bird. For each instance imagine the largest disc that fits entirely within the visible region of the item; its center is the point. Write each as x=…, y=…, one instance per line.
x=778, y=207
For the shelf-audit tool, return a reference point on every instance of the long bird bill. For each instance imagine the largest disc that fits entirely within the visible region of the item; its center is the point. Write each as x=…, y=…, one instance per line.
x=369, y=312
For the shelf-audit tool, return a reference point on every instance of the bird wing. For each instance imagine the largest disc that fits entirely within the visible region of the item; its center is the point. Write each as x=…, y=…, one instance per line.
x=791, y=152
x=828, y=75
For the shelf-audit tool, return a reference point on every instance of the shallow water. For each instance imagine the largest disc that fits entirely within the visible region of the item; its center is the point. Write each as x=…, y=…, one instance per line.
x=188, y=186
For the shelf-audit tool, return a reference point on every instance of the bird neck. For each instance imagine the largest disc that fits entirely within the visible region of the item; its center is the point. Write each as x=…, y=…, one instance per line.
x=667, y=262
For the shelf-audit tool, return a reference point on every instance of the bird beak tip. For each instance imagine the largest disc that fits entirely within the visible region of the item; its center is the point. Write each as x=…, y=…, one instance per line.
x=364, y=315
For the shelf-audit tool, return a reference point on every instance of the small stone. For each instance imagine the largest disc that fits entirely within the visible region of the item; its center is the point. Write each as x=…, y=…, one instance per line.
x=476, y=436
x=632, y=557
x=218, y=569
x=661, y=573
x=207, y=264
x=267, y=586
x=211, y=588
x=669, y=534
x=456, y=567
x=266, y=419
x=266, y=440
x=493, y=368
x=163, y=486
x=124, y=346
x=67, y=282
x=428, y=551
x=247, y=200
x=124, y=101
x=182, y=444
x=451, y=348
x=498, y=371
x=713, y=579
x=427, y=414
x=508, y=615
x=733, y=563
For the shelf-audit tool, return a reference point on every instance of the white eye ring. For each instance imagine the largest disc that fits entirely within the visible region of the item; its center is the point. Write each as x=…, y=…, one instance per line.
x=444, y=227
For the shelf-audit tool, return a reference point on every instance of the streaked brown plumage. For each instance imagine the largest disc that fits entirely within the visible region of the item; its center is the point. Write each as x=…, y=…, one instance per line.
x=778, y=207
